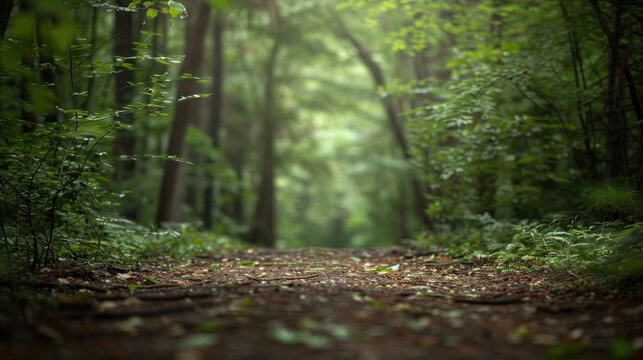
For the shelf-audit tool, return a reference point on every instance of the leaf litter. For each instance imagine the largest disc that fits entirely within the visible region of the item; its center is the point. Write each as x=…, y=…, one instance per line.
x=315, y=303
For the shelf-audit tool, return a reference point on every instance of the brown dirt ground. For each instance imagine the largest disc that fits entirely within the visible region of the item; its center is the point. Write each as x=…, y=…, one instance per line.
x=312, y=303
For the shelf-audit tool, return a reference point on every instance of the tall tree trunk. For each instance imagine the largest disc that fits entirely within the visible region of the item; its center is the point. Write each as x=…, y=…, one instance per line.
x=616, y=144
x=171, y=195
x=217, y=108
x=124, y=93
x=263, y=227
x=5, y=11
x=584, y=116
x=391, y=113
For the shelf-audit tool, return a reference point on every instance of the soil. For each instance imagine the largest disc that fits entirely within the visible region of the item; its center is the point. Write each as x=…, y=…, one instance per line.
x=315, y=303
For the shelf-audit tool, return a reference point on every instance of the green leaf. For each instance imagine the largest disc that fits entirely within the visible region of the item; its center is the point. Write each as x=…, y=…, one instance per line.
x=285, y=336
x=246, y=302
x=151, y=279
x=197, y=341
x=174, y=12
x=176, y=8
x=384, y=269
x=161, y=61
x=452, y=314
x=430, y=258
x=152, y=13
x=340, y=331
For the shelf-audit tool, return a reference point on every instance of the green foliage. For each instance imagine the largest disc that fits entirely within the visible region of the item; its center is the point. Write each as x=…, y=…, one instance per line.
x=125, y=242
x=606, y=248
x=611, y=250
x=611, y=202
x=54, y=168
x=152, y=7
x=509, y=129
x=186, y=241
x=505, y=107
x=476, y=233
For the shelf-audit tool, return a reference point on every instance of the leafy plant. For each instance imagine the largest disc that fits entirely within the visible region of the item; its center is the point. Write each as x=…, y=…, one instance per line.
x=54, y=200
x=610, y=202
x=185, y=240
x=603, y=248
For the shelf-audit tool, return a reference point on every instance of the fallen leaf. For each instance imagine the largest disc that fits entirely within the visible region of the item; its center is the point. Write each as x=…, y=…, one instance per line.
x=197, y=341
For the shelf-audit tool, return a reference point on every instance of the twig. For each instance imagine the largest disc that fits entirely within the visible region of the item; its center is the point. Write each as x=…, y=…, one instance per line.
x=491, y=301
x=282, y=278
x=446, y=263
x=318, y=263
x=573, y=274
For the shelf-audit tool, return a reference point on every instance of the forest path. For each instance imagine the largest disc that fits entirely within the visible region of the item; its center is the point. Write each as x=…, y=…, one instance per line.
x=313, y=303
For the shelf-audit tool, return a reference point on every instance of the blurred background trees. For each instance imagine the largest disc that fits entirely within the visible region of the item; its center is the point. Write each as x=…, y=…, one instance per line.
x=316, y=123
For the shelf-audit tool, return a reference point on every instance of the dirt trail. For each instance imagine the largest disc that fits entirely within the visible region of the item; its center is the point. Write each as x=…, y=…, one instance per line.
x=312, y=303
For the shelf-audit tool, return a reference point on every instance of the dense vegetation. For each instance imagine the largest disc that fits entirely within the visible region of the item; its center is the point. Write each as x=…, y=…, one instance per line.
x=486, y=126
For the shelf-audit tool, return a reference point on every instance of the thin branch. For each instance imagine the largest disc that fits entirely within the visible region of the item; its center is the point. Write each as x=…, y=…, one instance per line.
x=282, y=278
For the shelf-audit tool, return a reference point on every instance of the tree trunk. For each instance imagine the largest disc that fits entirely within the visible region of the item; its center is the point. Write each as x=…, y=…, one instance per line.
x=124, y=93
x=616, y=147
x=590, y=160
x=171, y=195
x=616, y=144
x=263, y=227
x=5, y=10
x=217, y=106
x=391, y=113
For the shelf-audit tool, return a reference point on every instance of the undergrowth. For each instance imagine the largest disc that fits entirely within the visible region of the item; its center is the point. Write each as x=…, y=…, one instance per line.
x=123, y=242
x=609, y=250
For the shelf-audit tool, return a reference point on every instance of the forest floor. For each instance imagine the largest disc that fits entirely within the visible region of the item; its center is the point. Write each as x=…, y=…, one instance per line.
x=315, y=303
